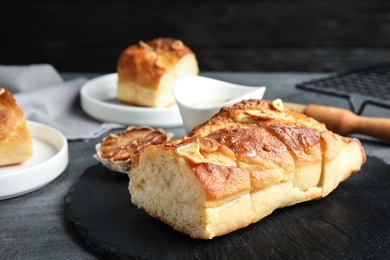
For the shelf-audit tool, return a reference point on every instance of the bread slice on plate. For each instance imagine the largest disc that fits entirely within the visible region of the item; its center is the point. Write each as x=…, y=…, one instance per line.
x=148, y=71
x=238, y=167
x=15, y=139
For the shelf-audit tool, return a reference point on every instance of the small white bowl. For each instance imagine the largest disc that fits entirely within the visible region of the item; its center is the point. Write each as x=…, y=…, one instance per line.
x=199, y=98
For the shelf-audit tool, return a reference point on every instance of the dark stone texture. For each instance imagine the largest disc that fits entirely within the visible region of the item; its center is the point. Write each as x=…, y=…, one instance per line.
x=352, y=223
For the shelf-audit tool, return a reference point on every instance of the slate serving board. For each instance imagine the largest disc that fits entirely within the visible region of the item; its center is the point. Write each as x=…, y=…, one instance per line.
x=352, y=222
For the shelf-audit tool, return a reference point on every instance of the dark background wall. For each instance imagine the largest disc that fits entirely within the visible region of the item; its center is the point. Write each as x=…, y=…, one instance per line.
x=239, y=35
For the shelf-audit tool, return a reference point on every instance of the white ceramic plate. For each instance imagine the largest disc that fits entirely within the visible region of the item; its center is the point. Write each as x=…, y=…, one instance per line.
x=49, y=160
x=98, y=99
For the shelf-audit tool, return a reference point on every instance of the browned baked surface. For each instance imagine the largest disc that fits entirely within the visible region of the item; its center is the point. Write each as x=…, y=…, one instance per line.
x=15, y=139
x=250, y=158
x=148, y=69
x=146, y=62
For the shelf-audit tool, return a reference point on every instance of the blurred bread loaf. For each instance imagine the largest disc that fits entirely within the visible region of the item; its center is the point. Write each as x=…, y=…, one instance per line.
x=15, y=139
x=147, y=71
x=239, y=166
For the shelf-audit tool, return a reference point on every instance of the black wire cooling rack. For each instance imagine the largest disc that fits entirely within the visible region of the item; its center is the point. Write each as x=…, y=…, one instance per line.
x=371, y=84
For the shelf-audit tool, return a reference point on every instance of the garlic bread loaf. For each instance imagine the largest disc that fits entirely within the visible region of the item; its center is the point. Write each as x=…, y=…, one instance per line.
x=239, y=166
x=147, y=71
x=15, y=139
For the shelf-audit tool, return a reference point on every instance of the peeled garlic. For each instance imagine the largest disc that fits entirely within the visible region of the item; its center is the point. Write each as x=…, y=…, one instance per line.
x=191, y=151
x=278, y=104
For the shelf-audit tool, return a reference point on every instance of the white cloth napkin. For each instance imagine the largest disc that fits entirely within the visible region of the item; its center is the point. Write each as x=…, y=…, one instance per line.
x=46, y=98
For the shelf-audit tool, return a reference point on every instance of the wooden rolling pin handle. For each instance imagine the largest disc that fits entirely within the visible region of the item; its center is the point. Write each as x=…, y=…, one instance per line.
x=345, y=122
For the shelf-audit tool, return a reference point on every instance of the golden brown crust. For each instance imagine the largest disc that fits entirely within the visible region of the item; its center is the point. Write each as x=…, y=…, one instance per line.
x=258, y=151
x=270, y=143
x=221, y=181
x=10, y=113
x=256, y=112
x=145, y=63
x=142, y=68
x=15, y=139
x=302, y=142
x=267, y=144
x=239, y=166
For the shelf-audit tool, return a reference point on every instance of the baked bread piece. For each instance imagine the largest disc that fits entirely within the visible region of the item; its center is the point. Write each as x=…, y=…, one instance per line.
x=15, y=140
x=238, y=167
x=147, y=71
